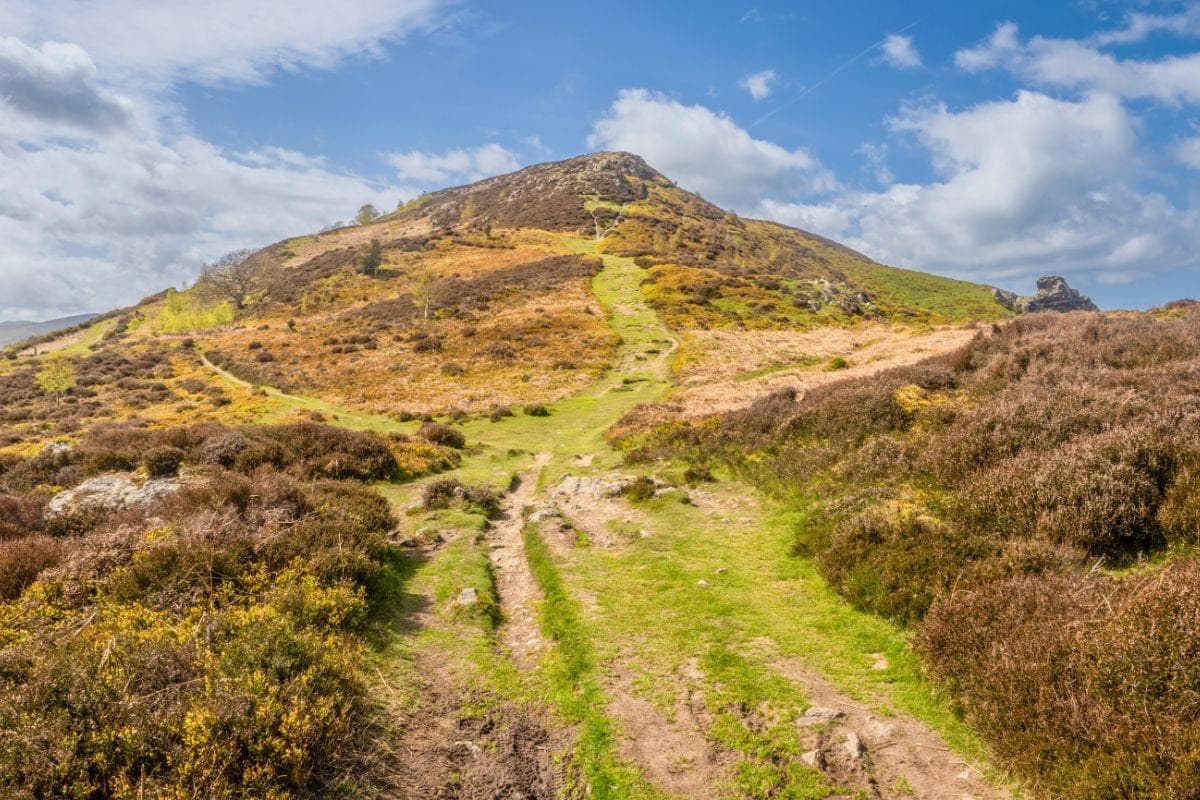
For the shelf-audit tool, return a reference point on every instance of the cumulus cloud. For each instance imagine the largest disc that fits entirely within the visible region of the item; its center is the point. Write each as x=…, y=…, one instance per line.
x=759, y=84
x=705, y=151
x=56, y=83
x=434, y=169
x=96, y=226
x=1140, y=26
x=1052, y=194
x=1072, y=64
x=1003, y=43
x=105, y=194
x=218, y=40
x=899, y=52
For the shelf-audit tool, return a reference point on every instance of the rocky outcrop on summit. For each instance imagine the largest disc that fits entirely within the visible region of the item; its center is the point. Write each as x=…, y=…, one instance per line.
x=1053, y=294
x=550, y=196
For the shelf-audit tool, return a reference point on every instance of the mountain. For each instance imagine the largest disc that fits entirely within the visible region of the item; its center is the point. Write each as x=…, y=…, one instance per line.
x=12, y=332
x=569, y=483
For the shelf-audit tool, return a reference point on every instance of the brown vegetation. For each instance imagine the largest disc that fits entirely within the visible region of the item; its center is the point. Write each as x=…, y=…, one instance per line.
x=990, y=484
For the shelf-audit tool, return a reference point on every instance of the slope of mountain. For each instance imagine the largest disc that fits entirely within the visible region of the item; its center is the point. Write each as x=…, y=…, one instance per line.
x=12, y=332
x=344, y=519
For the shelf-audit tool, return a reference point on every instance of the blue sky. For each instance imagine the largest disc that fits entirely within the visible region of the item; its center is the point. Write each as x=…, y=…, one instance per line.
x=989, y=141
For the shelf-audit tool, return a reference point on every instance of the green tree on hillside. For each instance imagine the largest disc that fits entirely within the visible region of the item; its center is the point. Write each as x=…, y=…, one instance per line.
x=367, y=214
x=56, y=377
x=424, y=291
x=371, y=259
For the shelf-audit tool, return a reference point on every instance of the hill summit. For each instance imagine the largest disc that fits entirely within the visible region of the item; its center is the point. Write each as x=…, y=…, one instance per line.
x=506, y=292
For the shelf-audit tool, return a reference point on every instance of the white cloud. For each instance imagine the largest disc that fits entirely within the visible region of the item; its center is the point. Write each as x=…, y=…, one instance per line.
x=705, y=151
x=1003, y=43
x=1140, y=26
x=759, y=84
x=1051, y=194
x=433, y=169
x=105, y=194
x=159, y=43
x=94, y=225
x=1071, y=64
x=1188, y=152
x=899, y=52
x=56, y=83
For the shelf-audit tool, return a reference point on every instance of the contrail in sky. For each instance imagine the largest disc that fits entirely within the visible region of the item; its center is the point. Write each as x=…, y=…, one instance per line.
x=845, y=65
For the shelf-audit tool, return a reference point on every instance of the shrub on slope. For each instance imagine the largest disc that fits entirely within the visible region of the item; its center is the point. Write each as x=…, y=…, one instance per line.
x=993, y=485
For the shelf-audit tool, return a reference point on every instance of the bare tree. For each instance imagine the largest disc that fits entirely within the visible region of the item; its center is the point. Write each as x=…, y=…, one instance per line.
x=240, y=277
x=605, y=228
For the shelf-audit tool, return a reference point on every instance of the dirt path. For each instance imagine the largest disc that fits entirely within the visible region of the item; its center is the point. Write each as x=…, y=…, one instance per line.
x=888, y=756
x=515, y=586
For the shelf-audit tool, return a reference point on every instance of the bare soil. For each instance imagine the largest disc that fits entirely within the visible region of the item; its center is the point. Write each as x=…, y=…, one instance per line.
x=724, y=370
x=516, y=588
x=446, y=751
x=902, y=757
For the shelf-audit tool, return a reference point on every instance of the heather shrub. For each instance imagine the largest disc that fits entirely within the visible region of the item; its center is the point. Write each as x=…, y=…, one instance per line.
x=896, y=564
x=162, y=462
x=442, y=434
x=23, y=559
x=640, y=490
x=1100, y=494
x=447, y=492
x=212, y=645
x=1086, y=685
x=19, y=517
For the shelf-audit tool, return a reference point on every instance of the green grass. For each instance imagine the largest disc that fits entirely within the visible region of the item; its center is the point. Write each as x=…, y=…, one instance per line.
x=185, y=312
x=577, y=424
x=763, y=615
x=954, y=300
x=575, y=690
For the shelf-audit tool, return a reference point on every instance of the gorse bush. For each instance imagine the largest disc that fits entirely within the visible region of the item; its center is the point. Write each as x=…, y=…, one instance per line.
x=210, y=644
x=975, y=496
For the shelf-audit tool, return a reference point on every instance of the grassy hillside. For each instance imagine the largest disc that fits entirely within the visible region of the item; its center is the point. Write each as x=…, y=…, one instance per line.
x=1029, y=504
x=342, y=519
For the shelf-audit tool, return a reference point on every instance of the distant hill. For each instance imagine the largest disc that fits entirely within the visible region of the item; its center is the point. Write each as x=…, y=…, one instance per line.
x=11, y=332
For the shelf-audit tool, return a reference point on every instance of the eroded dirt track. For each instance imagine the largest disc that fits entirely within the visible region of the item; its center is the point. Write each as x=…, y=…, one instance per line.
x=516, y=589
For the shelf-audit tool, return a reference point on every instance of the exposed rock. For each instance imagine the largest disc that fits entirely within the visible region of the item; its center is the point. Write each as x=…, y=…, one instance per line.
x=113, y=492
x=814, y=759
x=467, y=597
x=816, y=714
x=854, y=746
x=1053, y=294
x=544, y=514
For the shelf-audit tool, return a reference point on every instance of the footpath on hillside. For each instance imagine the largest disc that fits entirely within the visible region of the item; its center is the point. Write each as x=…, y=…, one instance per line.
x=667, y=643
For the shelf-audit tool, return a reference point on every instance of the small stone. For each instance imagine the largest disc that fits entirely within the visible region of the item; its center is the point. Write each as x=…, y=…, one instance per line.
x=881, y=730
x=820, y=714
x=965, y=775
x=702, y=583
x=466, y=748
x=854, y=746
x=814, y=759
x=645, y=534
x=467, y=597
